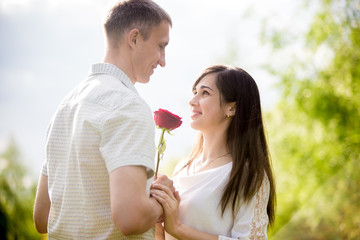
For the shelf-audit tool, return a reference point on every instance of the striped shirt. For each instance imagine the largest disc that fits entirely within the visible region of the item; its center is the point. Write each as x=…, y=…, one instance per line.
x=101, y=125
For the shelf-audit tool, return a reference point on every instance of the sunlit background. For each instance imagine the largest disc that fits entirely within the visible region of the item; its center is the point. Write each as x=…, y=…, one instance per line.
x=304, y=56
x=47, y=47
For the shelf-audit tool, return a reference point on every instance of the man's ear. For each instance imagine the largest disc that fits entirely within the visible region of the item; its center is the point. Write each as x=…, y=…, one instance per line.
x=133, y=37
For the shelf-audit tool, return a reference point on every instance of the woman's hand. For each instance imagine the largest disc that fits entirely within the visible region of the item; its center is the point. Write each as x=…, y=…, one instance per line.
x=164, y=180
x=170, y=202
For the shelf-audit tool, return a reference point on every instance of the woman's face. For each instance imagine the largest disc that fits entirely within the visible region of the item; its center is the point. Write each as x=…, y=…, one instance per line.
x=207, y=112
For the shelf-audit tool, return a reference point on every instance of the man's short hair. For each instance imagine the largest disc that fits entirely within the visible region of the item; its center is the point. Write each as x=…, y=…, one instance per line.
x=130, y=14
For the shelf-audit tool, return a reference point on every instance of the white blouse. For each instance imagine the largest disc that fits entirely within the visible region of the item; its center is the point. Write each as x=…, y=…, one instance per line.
x=200, y=205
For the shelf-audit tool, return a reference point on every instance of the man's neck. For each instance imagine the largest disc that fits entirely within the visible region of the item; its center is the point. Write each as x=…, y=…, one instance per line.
x=119, y=58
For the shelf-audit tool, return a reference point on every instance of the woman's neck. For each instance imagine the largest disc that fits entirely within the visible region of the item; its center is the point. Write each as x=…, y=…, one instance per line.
x=215, y=154
x=214, y=147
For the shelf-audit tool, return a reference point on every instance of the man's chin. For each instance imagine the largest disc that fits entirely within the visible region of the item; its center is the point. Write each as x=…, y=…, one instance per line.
x=146, y=80
x=143, y=80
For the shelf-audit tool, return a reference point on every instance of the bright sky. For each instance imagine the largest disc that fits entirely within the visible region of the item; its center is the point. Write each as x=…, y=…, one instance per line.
x=47, y=47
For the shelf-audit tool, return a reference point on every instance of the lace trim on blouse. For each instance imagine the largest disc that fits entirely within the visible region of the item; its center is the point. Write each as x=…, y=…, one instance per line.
x=260, y=220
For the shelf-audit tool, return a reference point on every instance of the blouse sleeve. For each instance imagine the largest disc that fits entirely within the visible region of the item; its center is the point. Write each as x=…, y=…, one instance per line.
x=252, y=220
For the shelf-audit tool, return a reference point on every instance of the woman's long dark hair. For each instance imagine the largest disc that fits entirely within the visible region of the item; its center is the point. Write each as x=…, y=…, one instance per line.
x=245, y=139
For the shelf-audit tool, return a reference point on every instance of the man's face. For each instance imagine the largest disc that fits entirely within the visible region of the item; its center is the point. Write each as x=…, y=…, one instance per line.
x=150, y=53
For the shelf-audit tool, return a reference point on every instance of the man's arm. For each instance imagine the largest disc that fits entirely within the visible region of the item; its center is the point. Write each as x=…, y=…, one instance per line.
x=133, y=211
x=42, y=205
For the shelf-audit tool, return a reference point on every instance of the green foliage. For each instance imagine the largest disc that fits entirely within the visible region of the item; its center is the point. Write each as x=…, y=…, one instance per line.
x=17, y=194
x=314, y=132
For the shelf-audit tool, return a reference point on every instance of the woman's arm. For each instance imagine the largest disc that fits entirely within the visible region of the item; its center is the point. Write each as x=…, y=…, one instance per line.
x=251, y=221
x=173, y=226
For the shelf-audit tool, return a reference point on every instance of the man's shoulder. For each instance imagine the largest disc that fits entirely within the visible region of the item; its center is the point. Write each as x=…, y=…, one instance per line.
x=104, y=90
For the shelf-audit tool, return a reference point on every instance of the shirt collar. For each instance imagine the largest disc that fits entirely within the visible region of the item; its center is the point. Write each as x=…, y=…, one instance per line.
x=107, y=68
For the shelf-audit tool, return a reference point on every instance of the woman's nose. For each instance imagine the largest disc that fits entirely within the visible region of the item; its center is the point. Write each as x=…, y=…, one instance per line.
x=192, y=101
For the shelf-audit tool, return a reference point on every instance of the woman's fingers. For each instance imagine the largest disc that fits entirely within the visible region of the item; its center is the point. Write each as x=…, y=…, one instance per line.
x=164, y=188
x=177, y=196
x=163, y=195
x=164, y=180
x=169, y=203
x=164, y=203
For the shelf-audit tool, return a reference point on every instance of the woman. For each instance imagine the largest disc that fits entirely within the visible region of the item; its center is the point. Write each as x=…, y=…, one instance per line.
x=226, y=187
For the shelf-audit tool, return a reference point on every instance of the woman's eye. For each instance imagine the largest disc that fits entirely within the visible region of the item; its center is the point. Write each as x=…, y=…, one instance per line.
x=205, y=93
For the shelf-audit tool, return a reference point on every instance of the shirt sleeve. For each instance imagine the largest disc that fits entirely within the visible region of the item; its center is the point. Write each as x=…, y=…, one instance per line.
x=44, y=171
x=252, y=220
x=44, y=168
x=127, y=137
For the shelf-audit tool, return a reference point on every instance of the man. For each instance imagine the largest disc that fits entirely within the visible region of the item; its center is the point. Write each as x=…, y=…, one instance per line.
x=100, y=143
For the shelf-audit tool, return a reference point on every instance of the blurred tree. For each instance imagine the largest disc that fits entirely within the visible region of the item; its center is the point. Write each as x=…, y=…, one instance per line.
x=17, y=194
x=167, y=166
x=314, y=131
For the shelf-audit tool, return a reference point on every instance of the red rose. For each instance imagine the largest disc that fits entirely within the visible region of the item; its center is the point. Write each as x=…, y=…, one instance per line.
x=165, y=119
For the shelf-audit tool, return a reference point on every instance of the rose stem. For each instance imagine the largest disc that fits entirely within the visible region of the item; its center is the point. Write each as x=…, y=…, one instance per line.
x=158, y=156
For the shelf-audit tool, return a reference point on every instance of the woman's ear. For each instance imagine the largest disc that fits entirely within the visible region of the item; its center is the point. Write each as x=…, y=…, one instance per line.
x=133, y=37
x=231, y=109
